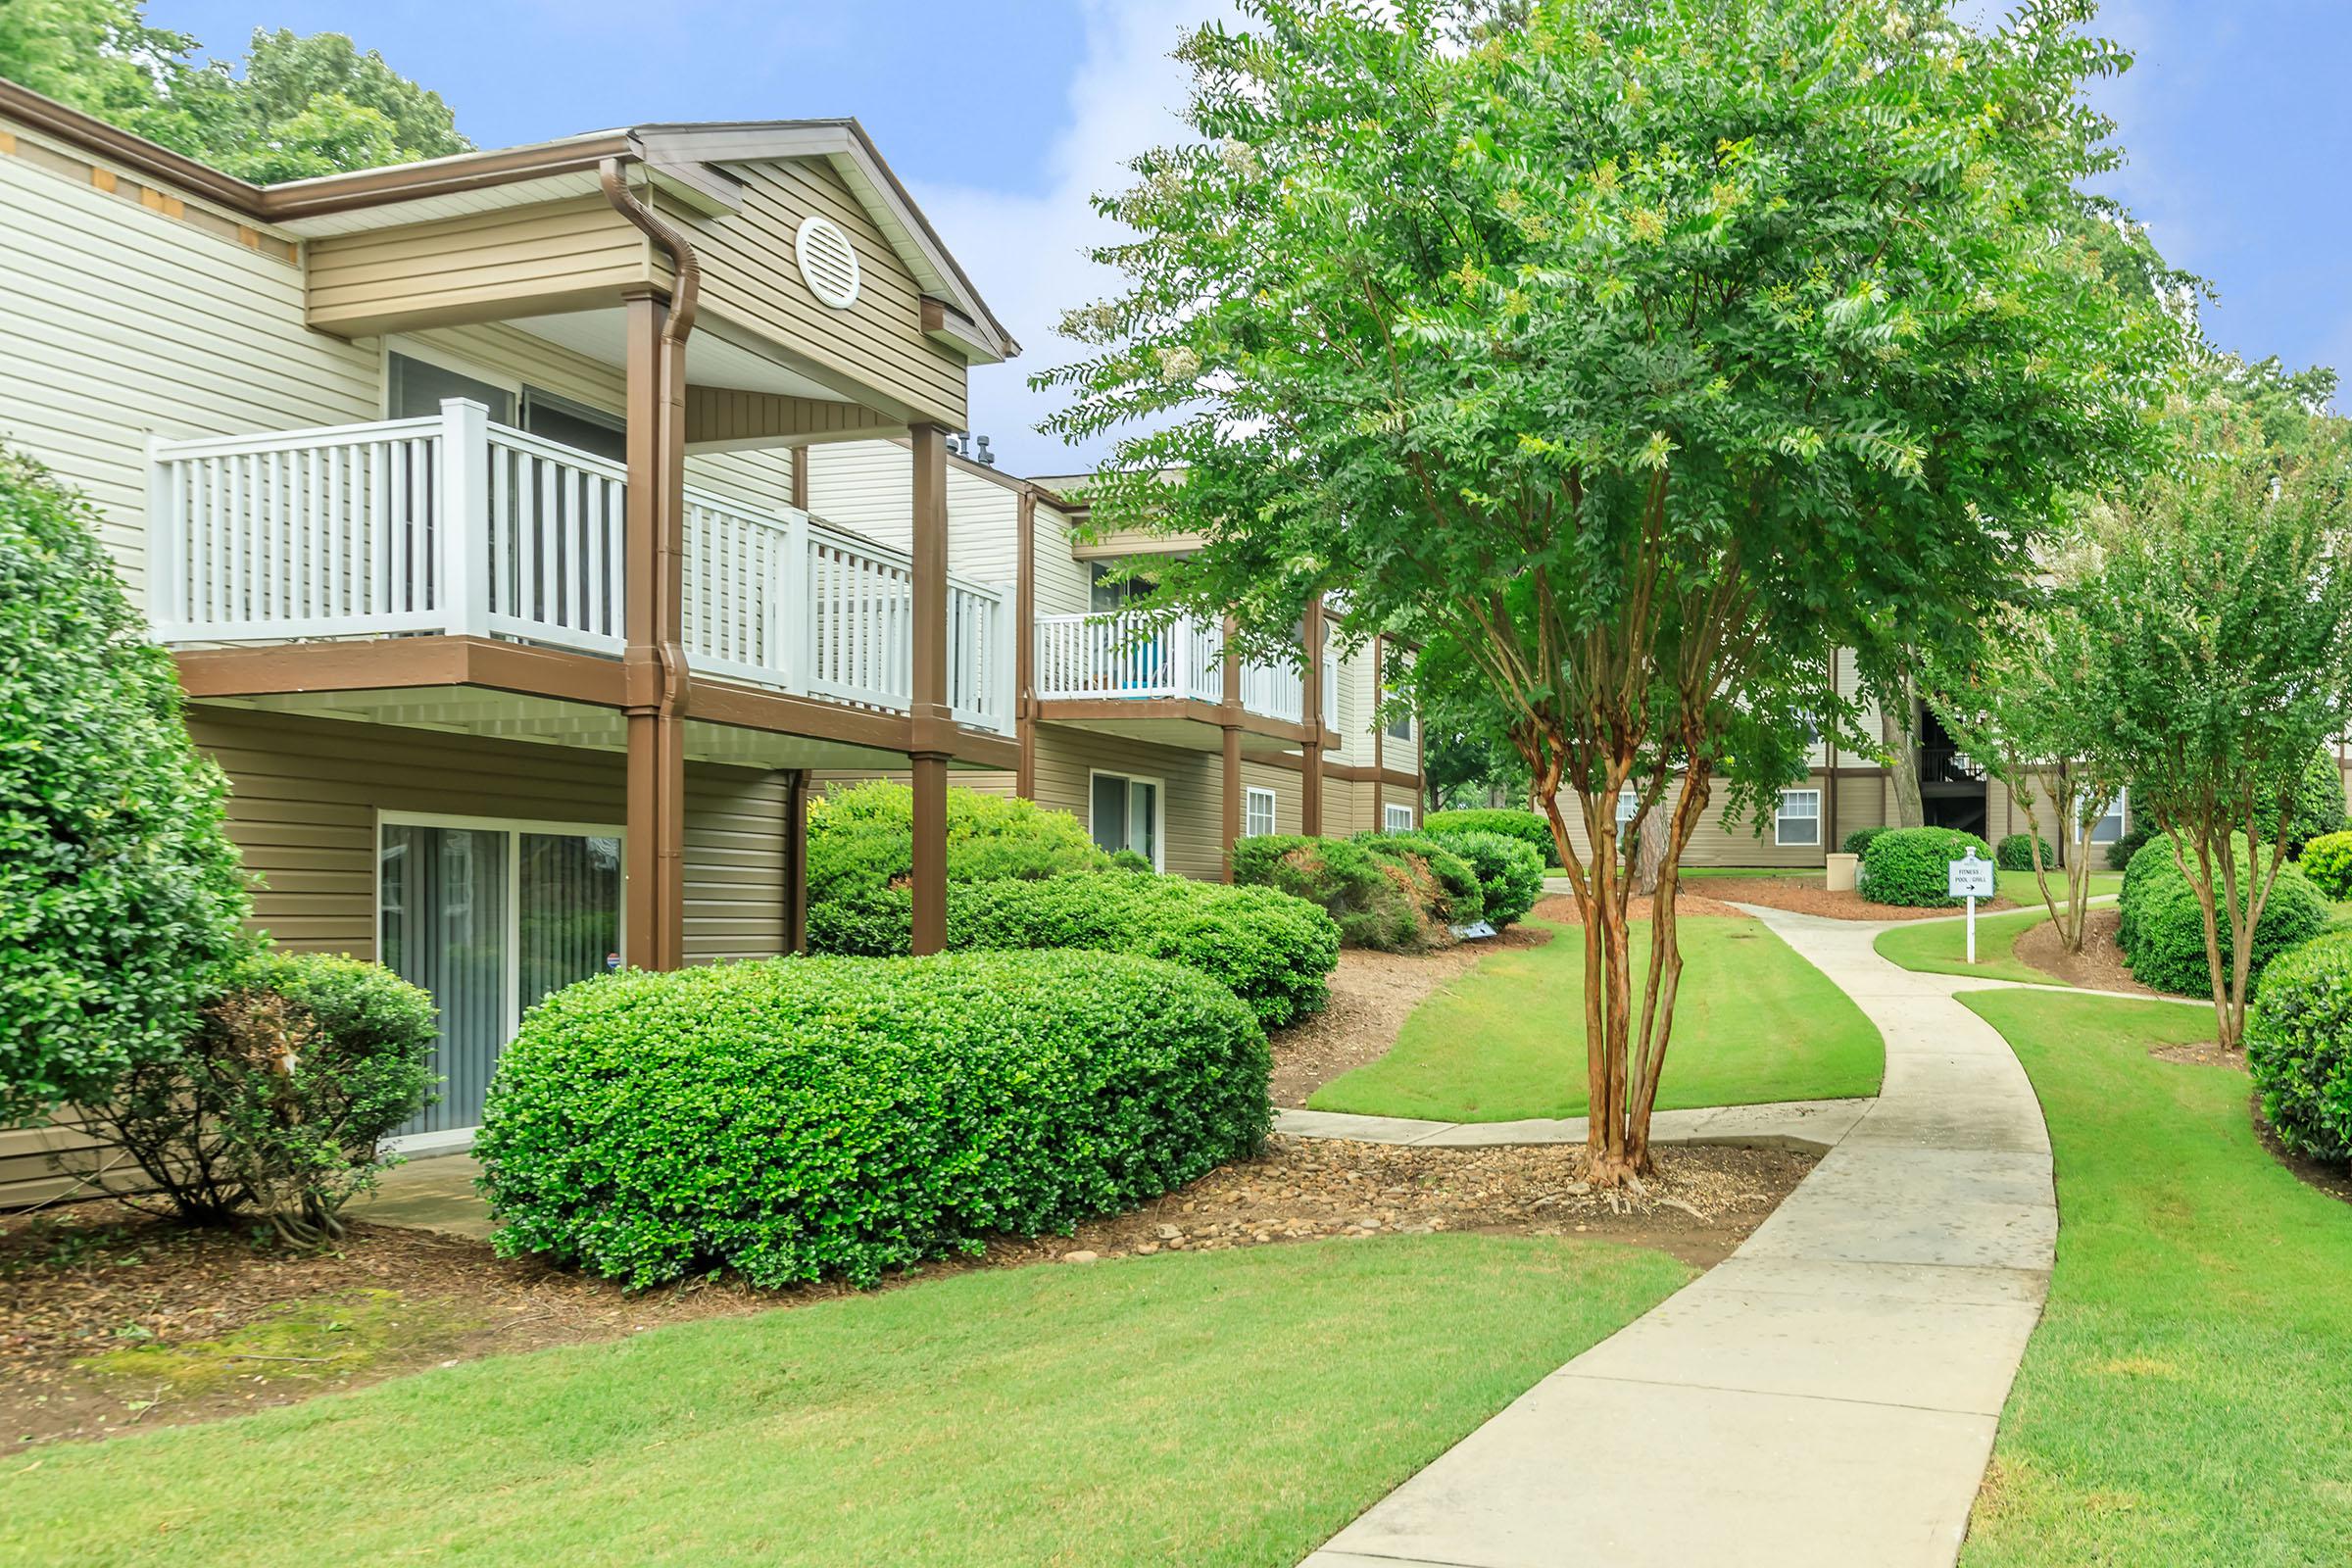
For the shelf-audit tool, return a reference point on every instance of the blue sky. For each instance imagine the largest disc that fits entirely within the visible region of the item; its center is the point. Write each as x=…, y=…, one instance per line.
x=2237, y=116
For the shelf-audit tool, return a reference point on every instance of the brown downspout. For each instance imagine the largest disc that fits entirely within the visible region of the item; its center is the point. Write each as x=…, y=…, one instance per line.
x=654, y=664
x=1024, y=647
x=1229, y=726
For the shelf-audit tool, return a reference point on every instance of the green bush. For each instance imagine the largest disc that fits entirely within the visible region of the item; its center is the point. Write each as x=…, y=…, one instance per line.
x=2016, y=852
x=2327, y=862
x=1510, y=873
x=2316, y=808
x=1858, y=841
x=276, y=1106
x=1273, y=952
x=1460, y=899
x=2119, y=853
x=120, y=898
x=1371, y=898
x=2299, y=1047
x=861, y=837
x=1906, y=865
x=1533, y=827
x=805, y=1118
x=2162, y=928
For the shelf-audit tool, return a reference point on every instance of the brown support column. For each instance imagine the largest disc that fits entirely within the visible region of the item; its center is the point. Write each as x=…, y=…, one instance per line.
x=1229, y=715
x=1829, y=802
x=931, y=727
x=796, y=860
x=654, y=662
x=1310, y=776
x=1024, y=648
x=1380, y=732
x=800, y=477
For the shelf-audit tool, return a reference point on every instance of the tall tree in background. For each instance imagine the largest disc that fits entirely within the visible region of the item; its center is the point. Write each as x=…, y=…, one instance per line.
x=302, y=106
x=1645, y=352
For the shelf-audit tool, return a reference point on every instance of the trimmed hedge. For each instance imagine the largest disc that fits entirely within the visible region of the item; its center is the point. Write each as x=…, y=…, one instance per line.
x=2299, y=1047
x=2016, y=852
x=2162, y=929
x=1274, y=952
x=2327, y=862
x=1369, y=896
x=2119, y=853
x=1906, y=865
x=1528, y=826
x=1459, y=899
x=1858, y=841
x=861, y=837
x=796, y=1119
x=1510, y=873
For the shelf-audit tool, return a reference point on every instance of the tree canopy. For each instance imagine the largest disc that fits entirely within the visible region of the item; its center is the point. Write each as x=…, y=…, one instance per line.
x=1645, y=352
x=301, y=105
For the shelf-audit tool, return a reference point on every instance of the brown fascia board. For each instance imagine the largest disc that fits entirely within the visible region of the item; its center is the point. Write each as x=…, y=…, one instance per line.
x=91, y=134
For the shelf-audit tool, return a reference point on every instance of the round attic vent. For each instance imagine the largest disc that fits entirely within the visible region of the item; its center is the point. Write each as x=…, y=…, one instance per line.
x=828, y=266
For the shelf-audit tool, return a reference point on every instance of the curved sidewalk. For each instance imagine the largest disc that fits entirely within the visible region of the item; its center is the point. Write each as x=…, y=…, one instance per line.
x=1826, y=1396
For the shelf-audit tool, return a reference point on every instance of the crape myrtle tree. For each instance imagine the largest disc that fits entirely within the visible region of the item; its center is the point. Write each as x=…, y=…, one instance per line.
x=1648, y=351
x=2222, y=632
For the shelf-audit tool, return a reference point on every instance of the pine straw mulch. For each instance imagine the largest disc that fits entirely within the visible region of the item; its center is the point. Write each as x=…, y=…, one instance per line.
x=1807, y=896
x=81, y=1282
x=2099, y=966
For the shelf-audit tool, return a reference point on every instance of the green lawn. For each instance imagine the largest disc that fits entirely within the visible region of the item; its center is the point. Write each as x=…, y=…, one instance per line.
x=2187, y=1400
x=1754, y=1023
x=1940, y=946
x=2019, y=887
x=1230, y=1407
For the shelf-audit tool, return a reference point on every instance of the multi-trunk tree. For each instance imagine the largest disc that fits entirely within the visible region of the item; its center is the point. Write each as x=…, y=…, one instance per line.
x=1646, y=352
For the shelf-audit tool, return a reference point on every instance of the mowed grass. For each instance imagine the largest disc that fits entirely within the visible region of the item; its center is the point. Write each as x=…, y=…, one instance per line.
x=1940, y=946
x=1753, y=1023
x=2187, y=1400
x=1219, y=1408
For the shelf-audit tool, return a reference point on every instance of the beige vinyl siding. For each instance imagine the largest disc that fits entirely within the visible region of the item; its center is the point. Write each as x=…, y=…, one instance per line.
x=1289, y=806
x=1063, y=581
x=979, y=781
x=1191, y=796
x=1718, y=842
x=750, y=276
x=868, y=487
x=117, y=320
x=479, y=267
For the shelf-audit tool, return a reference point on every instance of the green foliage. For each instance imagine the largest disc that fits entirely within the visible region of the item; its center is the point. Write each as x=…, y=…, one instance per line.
x=1372, y=897
x=799, y=1119
x=1510, y=873
x=2119, y=853
x=2162, y=929
x=1907, y=866
x=2299, y=1047
x=2327, y=862
x=120, y=893
x=1531, y=828
x=276, y=1107
x=1459, y=899
x=2315, y=803
x=861, y=839
x=1274, y=952
x=1858, y=841
x=304, y=105
x=2015, y=852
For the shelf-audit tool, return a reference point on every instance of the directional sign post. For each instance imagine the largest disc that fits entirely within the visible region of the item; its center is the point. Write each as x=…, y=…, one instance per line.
x=1970, y=877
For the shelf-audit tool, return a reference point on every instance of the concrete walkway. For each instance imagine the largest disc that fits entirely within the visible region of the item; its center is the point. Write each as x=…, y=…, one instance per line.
x=1827, y=1396
x=1816, y=1126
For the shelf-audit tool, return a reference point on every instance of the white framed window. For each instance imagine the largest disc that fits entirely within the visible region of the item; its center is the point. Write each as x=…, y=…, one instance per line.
x=1629, y=804
x=1258, y=813
x=1798, y=821
x=1396, y=818
x=1125, y=813
x=2108, y=826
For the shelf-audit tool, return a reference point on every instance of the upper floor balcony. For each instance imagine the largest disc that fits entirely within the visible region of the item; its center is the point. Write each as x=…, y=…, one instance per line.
x=1135, y=658
x=457, y=525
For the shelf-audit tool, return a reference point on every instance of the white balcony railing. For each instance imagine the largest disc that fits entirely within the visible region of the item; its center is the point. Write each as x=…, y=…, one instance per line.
x=456, y=525
x=1116, y=657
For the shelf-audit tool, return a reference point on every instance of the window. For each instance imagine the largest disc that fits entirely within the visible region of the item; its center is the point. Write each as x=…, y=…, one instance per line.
x=2108, y=826
x=1800, y=818
x=1629, y=805
x=1111, y=590
x=576, y=424
x=1258, y=813
x=1397, y=818
x=1400, y=727
x=414, y=390
x=1126, y=815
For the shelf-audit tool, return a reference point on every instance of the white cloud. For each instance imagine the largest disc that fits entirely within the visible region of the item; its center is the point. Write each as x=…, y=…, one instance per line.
x=1026, y=253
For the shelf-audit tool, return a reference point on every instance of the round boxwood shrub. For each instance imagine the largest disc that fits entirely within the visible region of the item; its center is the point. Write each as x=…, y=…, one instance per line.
x=861, y=837
x=120, y=898
x=2119, y=853
x=1371, y=898
x=1457, y=898
x=1274, y=952
x=807, y=1118
x=2162, y=928
x=2299, y=1047
x=1858, y=841
x=1510, y=874
x=1531, y=828
x=1906, y=865
x=2327, y=862
x=2016, y=852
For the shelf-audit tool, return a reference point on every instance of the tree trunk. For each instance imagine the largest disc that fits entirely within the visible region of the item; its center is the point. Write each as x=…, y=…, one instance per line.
x=1900, y=732
x=1650, y=852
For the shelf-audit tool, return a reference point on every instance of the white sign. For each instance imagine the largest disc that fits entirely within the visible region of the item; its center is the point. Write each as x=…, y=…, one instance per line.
x=1971, y=878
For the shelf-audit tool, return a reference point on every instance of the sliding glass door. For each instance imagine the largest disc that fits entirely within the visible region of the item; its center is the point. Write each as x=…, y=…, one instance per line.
x=490, y=918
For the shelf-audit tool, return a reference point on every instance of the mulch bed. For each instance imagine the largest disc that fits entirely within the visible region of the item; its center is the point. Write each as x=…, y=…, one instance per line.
x=78, y=1280
x=2099, y=966
x=1562, y=907
x=1805, y=896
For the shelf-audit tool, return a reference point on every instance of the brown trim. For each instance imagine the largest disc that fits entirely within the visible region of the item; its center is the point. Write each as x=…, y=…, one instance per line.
x=1829, y=813
x=796, y=860
x=653, y=666
x=1310, y=797
x=1113, y=710
x=93, y=134
x=1228, y=795
x=1024, y=646
x=800, y=477
x=1380, y=733
x=930, y=723
x=394, y=663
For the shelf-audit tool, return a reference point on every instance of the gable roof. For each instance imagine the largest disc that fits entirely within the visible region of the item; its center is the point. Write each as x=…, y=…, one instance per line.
x=688, y=159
